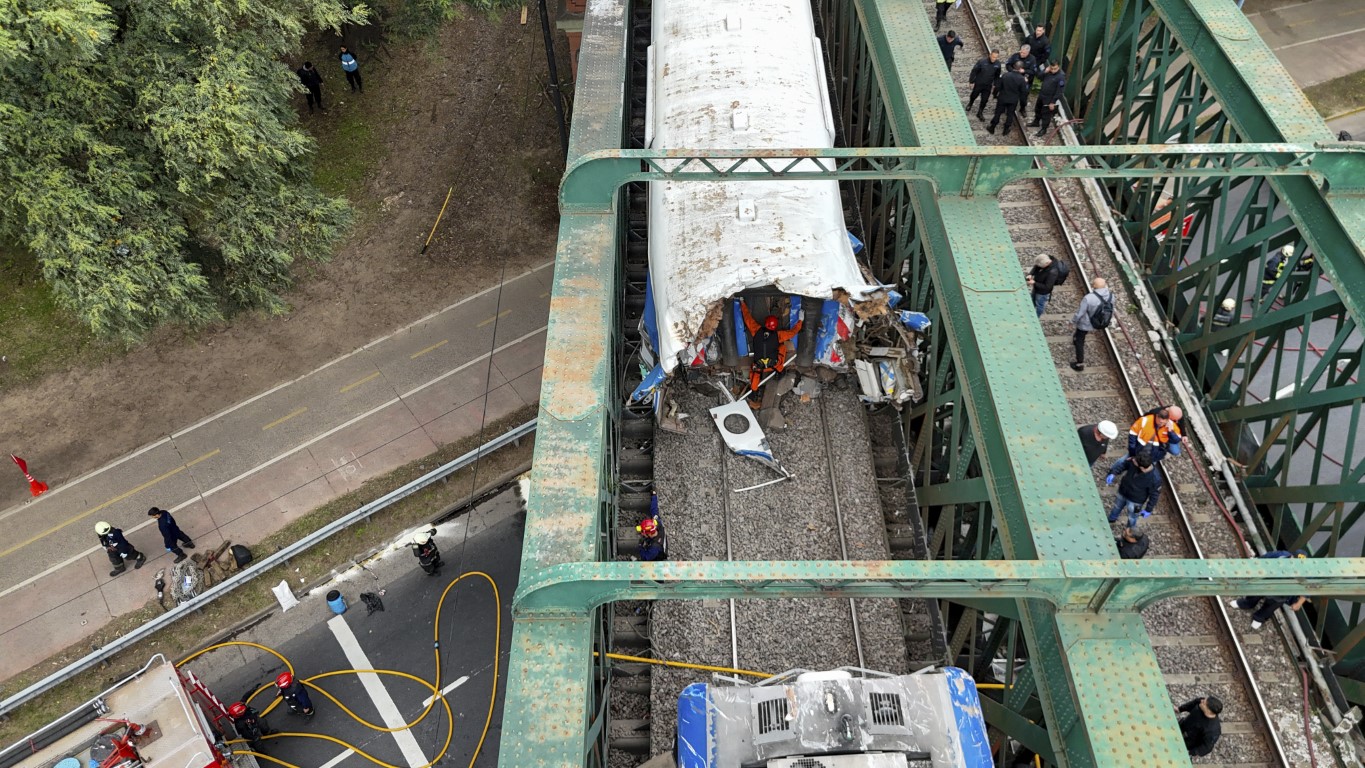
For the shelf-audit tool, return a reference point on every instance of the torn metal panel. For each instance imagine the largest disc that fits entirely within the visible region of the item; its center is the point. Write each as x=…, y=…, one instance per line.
x=747, y=437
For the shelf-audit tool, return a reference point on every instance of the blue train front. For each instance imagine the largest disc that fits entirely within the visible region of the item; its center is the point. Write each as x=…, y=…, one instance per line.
x=835, y=719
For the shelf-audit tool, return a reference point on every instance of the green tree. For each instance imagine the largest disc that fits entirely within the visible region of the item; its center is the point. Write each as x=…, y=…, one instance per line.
x=150, y=157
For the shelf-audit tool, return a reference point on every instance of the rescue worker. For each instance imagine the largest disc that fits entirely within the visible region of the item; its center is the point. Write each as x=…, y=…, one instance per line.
x=1045, y=108
x=250, y=725
x=1039, y=45
x=948, y=45
x=1095, y=439
x=1226, y=314
x=294, y=693
x=1200, y=727
x=118, y=548
x=171, y=535
x=769, y=346
x=1265, y=607
x=1029, y=60
x=653, y=544
x=1157, y=431
x=1274, y=269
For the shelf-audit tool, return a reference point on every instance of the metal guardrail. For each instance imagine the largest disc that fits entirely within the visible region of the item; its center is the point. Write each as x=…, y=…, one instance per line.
x=261, y=566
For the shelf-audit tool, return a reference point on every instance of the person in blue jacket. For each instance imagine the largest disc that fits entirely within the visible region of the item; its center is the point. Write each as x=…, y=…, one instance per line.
x=351, y=67
x=171, y=535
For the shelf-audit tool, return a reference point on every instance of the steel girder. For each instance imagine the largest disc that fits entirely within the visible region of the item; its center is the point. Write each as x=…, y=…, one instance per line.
x=1034, y=508
x=1283, y=381
x=591, y=180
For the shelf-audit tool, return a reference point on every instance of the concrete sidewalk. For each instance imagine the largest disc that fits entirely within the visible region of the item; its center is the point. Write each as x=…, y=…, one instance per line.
x=246, y=472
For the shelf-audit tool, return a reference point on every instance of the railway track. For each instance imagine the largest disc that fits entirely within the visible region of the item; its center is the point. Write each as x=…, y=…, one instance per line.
x=1194, y=639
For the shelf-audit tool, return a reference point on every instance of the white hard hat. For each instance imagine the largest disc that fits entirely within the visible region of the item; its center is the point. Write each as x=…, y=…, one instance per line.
x=1229, y=304
x=102, y=528
x=1288, y=250
x=1108, y=429
x=421, y=537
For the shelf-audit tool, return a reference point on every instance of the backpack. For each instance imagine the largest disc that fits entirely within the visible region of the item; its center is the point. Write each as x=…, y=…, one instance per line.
x=1063, y=271
x=1103, y=314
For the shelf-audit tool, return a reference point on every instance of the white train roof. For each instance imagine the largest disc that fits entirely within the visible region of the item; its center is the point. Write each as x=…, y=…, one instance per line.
x=739, y=75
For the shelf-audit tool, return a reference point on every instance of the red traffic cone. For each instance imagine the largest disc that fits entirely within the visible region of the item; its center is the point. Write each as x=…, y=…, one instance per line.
x=36, y=487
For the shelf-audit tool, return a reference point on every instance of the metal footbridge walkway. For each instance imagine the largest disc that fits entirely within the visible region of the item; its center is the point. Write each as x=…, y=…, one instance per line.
x=1184, y=114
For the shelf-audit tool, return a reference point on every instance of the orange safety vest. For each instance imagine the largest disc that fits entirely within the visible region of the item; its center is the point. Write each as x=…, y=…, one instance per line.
x=1148, y=433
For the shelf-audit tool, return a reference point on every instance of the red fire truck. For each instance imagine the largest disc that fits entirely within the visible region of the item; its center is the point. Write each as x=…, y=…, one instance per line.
x=160, y=716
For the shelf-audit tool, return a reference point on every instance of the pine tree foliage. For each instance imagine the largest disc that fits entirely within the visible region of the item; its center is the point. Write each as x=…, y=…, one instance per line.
x=150, y=157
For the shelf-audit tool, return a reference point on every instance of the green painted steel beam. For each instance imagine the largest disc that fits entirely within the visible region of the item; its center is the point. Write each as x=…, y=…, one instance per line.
x=1299, y=402
x=1087, y=586
x=1262, y=101
x=954, y=170
x=966, y=491
x=1043, y=503
x=1308, y=494
x=1314, y=307
x=550, y=684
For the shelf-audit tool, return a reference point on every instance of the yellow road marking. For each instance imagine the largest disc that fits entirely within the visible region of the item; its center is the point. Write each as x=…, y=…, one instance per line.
x=355, y=384
x=283, y=419
x=431, y=348
x=111, y=502
x=500, y=315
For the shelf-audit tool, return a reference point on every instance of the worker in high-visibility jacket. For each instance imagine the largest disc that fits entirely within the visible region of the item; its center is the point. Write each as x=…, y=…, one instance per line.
x=769, y=345
x=1274, y=268
x=1158, y=431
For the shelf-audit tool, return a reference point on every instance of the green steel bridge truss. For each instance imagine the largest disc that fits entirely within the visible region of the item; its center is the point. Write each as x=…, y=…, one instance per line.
x=1169, y=111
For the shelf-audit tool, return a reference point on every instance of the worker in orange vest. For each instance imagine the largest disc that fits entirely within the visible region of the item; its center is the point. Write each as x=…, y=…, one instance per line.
x=769, y=348
x=1157, y=430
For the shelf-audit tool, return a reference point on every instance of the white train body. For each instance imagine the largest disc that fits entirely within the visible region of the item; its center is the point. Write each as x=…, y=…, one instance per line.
x=736, y=75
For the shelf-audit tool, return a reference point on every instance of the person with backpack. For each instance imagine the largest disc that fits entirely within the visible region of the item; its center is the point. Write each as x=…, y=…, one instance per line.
x=1047, y=273
x=1094, y=314
x=351, y=67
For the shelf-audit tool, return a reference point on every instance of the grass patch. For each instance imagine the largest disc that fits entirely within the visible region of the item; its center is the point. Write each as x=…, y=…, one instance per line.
x=1334, y=97
x=36, y=335
x=194, y=631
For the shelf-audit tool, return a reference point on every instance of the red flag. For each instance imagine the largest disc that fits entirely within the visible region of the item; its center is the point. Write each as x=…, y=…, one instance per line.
x=35, y=487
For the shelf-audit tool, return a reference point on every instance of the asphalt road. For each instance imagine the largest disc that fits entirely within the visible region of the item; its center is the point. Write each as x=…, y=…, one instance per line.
x=399, y=638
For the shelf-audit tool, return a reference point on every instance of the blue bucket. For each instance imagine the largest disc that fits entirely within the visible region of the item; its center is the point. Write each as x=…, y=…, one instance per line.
x=336, y=602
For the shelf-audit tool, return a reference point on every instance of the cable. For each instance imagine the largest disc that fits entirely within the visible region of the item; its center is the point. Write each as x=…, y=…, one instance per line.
x=434, y=687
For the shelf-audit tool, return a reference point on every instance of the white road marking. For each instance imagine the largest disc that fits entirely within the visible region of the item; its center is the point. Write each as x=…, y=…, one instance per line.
x=336, y=760
x=236, y=406
x=277, y=459
x=427, y=702
x=388, y=711
x=1319, y=39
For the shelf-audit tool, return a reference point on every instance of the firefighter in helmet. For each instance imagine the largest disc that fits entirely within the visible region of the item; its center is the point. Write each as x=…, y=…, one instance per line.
x=294, y=693
x=250, y=725
x=653, y=542
x=769, y=347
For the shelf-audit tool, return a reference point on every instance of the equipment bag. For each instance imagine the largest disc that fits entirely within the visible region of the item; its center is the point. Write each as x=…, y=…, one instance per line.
x=1103, y=314
x=241, y=554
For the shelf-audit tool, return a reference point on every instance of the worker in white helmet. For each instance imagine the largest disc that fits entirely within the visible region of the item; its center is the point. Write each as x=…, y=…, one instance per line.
x=118, y=548
x=1274, y=268
x=1095, y=439
x=1226, y=314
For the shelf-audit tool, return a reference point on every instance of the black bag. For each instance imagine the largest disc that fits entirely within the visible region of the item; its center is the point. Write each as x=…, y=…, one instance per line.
x=1063, y=271
x=1103, y=314
x=242, y=555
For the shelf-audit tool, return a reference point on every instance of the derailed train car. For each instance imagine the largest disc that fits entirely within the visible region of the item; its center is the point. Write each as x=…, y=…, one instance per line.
x=752, y=77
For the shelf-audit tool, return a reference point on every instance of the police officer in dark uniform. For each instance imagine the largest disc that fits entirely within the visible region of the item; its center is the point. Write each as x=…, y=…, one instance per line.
x=769, y=345
x=1013, y=92
x=118, y=548
x=983, y=77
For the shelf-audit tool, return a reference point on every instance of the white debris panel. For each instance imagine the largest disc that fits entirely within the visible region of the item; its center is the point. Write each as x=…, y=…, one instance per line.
x=745, y=76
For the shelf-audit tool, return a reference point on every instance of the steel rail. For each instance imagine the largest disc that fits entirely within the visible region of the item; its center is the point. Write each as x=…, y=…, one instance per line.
x=1242, y=663
x=262, y=566
x=729, y=549
x=839, y=525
